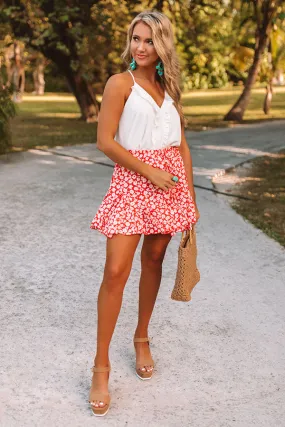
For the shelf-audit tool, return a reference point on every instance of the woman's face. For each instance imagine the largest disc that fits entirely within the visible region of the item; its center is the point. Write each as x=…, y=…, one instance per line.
x=142, y=48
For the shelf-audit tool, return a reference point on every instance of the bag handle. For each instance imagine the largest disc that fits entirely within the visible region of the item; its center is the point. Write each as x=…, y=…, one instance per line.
x=188, y=234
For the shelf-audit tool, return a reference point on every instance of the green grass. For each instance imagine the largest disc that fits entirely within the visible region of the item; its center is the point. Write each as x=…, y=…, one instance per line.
x=53, y=119
x=267, y=209
x=206, y=109
x=50, y=123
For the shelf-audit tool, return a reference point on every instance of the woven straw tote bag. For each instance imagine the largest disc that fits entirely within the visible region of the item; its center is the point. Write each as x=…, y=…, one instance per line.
x=187, y=275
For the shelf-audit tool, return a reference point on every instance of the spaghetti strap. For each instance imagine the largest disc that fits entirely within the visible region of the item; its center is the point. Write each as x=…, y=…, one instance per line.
x=132, y=75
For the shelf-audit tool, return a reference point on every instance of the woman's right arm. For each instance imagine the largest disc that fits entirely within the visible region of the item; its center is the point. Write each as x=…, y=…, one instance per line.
x=114, y=98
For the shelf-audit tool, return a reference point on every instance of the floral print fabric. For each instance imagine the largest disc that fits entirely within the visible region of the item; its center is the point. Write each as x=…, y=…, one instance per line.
x=133, y=205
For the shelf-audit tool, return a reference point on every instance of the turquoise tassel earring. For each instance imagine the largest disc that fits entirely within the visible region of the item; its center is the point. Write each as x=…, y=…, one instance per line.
x=133, y=65
x=160, y=69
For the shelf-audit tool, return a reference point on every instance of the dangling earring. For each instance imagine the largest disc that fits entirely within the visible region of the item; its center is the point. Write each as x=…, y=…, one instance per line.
x=160, y=69
x=133, y=65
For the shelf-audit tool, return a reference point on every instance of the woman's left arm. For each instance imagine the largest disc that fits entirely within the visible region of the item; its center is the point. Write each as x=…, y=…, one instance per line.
x=187, y=160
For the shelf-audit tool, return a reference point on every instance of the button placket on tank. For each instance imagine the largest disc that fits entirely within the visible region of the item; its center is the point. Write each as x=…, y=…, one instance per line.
x=155, y=132
x=166, y=127
x=156, y=120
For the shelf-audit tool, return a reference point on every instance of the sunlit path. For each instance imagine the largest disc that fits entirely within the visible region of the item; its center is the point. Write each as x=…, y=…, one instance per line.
x=227, y=369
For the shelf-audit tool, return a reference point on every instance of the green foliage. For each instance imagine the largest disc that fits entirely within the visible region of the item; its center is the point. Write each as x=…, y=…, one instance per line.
x=204, y=33
x=85, y=39
x=215, y=38
x=7, y=111
x=7, y=108
x=89, y=38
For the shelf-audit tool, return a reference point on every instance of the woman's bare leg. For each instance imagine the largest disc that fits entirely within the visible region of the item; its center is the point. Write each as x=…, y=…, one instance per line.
x=120, y=250
x=152, y=255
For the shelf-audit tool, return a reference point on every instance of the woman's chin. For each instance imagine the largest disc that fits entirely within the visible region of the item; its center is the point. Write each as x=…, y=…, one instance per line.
x=144, y=63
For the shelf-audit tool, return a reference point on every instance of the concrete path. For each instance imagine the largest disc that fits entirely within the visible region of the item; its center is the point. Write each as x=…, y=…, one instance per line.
x=220, y=360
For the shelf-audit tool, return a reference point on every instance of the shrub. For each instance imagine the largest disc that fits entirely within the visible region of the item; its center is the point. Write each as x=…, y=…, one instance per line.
x=7, y=111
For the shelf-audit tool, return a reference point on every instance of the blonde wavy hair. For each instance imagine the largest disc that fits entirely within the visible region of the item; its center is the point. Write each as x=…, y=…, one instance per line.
x=163, y=41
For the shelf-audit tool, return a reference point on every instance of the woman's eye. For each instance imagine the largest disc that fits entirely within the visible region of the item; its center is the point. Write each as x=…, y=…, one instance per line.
x=149, y=41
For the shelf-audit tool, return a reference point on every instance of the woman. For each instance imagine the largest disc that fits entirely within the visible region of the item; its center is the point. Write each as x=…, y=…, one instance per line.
x=151, y=193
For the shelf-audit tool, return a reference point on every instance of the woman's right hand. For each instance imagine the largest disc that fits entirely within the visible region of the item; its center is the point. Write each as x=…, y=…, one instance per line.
x=160, y=178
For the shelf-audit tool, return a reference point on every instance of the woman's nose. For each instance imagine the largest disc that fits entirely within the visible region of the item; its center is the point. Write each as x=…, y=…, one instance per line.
x=141, y=46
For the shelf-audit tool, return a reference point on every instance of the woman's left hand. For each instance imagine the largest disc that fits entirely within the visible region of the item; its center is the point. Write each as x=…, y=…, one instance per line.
x=197, y=213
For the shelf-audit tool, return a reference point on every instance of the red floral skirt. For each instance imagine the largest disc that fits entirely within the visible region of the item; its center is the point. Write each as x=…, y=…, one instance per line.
x=133, y=205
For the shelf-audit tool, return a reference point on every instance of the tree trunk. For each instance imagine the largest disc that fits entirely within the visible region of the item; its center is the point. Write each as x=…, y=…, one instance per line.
x=15, y=71
x=268, y=98
x=39, y=78
x=18, y=81
x=237, y=111
x=81, y=89
x=84, y=95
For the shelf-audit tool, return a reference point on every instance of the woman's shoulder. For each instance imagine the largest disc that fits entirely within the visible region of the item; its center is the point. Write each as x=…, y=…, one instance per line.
x=119, y=86
x=120, y=81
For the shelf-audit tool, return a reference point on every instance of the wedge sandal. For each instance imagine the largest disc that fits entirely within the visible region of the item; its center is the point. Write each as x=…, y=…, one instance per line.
x=100, y=411
x=141, y=371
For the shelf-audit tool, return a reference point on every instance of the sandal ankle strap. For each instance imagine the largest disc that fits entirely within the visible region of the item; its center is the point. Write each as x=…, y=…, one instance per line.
x=141, y=339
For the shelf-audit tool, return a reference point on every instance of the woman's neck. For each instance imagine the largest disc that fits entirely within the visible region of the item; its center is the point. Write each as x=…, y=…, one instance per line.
x=146, y=73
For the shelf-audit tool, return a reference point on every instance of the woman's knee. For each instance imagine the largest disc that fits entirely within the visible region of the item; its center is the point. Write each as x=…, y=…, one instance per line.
x=115, y=277
x=154, y=249
x=153, y=257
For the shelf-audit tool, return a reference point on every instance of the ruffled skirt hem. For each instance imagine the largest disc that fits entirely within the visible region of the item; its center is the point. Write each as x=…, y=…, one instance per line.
x=134, y=231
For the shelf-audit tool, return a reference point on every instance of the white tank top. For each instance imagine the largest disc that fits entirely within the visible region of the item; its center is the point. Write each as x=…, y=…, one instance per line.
x=146, y=126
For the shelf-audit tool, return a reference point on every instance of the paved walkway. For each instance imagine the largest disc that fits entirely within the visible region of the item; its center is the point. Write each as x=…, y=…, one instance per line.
x=220, y=359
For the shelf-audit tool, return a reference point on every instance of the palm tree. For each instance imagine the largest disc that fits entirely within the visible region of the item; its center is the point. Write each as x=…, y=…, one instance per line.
x=263, y=14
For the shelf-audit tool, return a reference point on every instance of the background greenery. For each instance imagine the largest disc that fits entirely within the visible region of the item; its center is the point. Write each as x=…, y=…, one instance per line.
x=7, y=111
x=220, y=43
